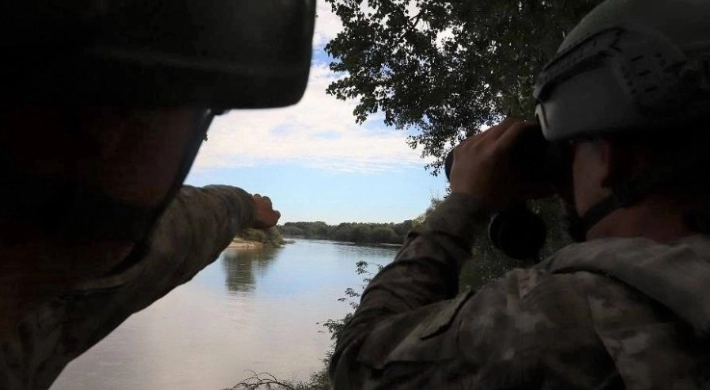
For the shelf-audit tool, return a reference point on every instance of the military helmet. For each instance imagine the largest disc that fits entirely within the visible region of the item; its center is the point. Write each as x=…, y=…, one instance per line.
x=629, y=65
x=218, y=54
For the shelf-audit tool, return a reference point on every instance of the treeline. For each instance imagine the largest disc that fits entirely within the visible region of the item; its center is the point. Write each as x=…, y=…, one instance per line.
x=360, y=233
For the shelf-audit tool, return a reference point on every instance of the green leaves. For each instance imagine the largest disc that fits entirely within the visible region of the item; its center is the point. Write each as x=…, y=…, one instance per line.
x=445, y=69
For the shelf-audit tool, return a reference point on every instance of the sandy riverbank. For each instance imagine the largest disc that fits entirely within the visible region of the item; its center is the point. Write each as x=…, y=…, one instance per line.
x=243, y=244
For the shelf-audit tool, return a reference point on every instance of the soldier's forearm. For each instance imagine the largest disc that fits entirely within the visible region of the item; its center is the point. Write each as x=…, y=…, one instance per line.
x=197, y=225
x=208, y=218
x=426, y=268
x=424, y=271
x=192, y=232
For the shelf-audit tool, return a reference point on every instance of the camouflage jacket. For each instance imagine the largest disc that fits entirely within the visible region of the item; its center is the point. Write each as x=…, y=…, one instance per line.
x=606, y=314
x=195, y=228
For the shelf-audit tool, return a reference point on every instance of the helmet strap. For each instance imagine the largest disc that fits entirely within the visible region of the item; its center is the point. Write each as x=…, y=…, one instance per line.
x=623, y=195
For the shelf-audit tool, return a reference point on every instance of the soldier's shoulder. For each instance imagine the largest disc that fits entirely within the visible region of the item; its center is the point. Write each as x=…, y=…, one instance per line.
x=574, y=298
x=544, y=297
x=529, y=283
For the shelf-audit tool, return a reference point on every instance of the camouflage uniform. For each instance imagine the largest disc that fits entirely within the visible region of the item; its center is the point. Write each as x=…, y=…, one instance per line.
x=606, y=314
x=192, y=232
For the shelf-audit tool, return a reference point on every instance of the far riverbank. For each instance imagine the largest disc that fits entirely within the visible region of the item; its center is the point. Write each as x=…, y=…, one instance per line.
x=239, y=243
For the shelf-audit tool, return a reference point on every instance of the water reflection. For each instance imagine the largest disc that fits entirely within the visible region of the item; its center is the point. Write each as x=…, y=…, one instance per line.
x=364, y=252
x=244, y=266
x=203, y=335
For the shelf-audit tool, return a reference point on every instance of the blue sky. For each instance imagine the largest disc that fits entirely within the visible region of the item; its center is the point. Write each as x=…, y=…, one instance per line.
x=313, y=161
x=304, y=193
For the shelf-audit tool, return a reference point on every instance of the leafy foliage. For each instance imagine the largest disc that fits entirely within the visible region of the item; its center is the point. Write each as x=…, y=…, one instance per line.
x=445, y=68
x=434, y=202
x=352, y=297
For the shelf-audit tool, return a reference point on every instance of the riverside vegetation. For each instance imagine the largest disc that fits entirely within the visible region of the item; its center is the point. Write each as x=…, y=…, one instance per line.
x=356, y=232
x=269, y=238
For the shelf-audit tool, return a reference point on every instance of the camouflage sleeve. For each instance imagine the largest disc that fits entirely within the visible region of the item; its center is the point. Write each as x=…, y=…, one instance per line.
x=197, y=225
x=192, y=232
x=424, y=271
x=426, y=268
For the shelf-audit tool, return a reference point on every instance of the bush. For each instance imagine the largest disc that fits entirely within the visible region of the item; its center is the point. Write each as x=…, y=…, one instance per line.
x=271, y=237
x=253, y=235
x=383, y=235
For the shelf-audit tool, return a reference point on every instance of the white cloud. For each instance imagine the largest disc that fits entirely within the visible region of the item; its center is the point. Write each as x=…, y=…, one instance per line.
x=319, y=132
x=328, y=25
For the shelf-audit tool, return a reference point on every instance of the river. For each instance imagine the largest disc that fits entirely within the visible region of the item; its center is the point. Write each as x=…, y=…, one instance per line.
x=250, y=310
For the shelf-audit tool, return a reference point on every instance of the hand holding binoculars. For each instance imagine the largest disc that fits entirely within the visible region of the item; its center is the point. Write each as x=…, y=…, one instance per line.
x=517, y=231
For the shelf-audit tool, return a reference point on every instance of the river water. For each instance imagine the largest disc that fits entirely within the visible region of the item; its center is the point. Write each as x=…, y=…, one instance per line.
x=250, y=310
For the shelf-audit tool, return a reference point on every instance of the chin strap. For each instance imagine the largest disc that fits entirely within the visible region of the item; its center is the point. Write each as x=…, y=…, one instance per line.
x=623, y=195
x=626, y=194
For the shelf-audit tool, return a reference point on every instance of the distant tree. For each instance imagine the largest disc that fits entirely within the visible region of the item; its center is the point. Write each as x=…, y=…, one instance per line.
x=271, y=237
x=382, y=235
x=291, y=230
x=361, y=234
x=274, y=238
x=401, y=229
x=319, y=229
x=253, y=235
x=358, y=232
x=434, y=202
x=342, y=232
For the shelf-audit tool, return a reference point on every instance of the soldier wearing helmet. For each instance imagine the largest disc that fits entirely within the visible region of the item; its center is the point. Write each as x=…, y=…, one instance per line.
x=627, y=98
x=104, y=105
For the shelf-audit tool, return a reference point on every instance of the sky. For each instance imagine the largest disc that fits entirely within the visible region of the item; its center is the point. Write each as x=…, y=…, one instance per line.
x=313, y=160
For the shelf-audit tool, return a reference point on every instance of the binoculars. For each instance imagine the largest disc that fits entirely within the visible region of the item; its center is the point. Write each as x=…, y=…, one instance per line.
x=518, y=232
